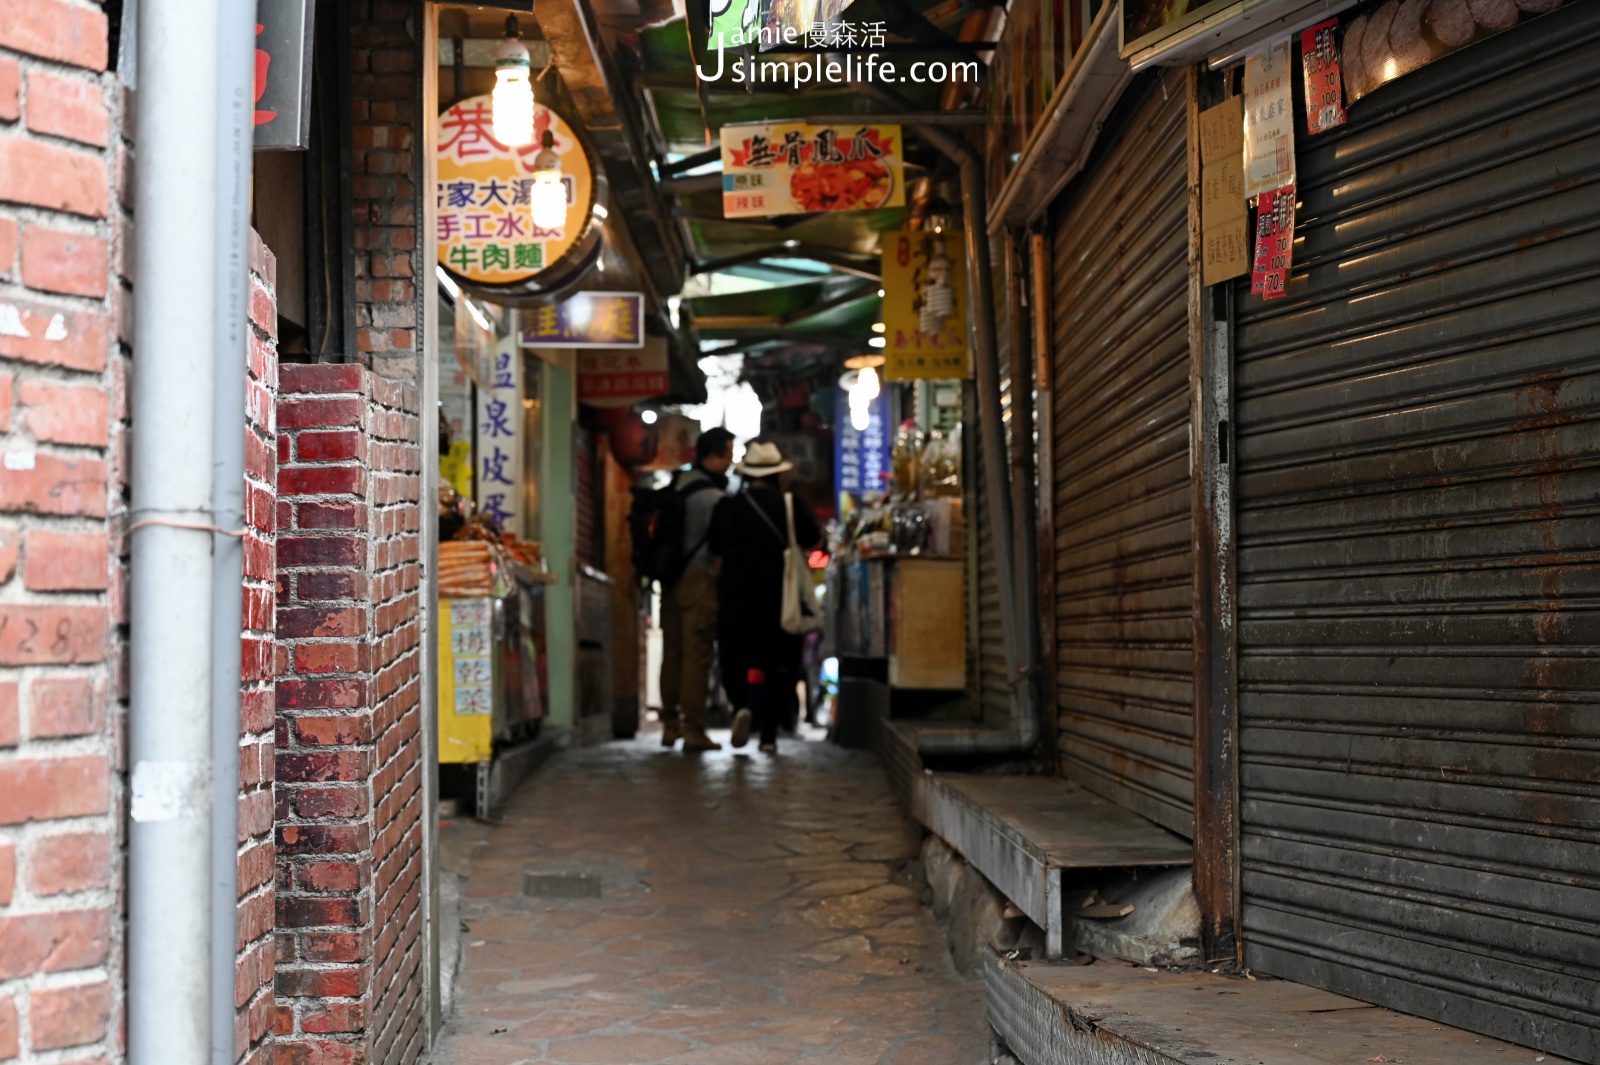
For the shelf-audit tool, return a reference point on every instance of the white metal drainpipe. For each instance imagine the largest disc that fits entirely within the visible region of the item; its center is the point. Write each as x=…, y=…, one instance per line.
x=236, y=52
x=178, y=202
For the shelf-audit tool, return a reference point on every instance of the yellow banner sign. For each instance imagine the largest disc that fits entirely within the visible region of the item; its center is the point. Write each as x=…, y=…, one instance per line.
x=777, y=168
x=925, y=305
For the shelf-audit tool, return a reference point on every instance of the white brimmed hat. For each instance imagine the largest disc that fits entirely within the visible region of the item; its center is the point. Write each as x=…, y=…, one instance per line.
x=762, y=459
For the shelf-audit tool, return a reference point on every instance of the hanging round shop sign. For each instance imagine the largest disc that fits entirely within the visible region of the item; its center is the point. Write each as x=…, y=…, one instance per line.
x=489, y=200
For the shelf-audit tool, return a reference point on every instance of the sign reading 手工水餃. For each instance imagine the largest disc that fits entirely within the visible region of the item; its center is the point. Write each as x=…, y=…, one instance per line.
x=778, y=168
x=925, y=305
x=485, y=231
x=587, y=320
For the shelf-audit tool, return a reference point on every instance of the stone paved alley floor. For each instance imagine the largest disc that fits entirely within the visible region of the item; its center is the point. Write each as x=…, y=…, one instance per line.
x=750, y=912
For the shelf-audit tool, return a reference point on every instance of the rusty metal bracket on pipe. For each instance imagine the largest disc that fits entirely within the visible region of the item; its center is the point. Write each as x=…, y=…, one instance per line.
x=1021, y=660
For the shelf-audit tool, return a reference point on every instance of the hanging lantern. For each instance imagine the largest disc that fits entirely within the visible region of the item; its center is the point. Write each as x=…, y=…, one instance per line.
x=513, y=90
x=548, y=197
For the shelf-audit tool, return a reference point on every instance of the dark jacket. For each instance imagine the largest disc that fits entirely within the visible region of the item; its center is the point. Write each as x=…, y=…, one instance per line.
x=750, y=583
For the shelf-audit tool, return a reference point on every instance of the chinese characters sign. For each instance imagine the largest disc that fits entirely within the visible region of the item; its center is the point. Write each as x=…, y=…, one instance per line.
x=860, y=456
x=485, y=224
x=283, y=74
x=925, y=305
x=587, y=320
x=1268, y=119
x=1224, y=223
x=1319, y=55
x=797, y=168
x=499, y=450
x=621, y=377
x=1274, y=243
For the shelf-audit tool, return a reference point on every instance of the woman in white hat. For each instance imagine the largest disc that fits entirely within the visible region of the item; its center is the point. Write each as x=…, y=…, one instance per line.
x=749, y=531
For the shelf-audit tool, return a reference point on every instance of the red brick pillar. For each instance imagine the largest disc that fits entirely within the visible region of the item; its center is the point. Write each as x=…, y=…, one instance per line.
x=60, y=389
x=349, y=810
x=257, y=754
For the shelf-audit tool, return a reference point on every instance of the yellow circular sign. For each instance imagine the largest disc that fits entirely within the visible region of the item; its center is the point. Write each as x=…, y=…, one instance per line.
x=485, y=229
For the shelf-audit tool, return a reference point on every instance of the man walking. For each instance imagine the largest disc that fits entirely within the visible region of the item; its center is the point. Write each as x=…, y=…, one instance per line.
x=689, y=604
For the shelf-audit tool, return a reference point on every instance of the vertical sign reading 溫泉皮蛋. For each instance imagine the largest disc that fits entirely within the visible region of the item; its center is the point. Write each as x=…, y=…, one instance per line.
x=1268, y=119
x=499, y=444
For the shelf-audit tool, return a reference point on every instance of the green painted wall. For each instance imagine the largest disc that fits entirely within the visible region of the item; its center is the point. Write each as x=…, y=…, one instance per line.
x=558, y=525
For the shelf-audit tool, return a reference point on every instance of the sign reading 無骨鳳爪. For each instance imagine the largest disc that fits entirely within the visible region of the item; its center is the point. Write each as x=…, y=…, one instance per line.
x=925, y=305
x=485, y=230
x=587, y=320
x=778, y=168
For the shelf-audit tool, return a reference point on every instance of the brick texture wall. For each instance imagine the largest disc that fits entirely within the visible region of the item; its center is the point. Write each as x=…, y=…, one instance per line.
x=386, y=106
x=349, y=805
x=257, y=703
x=61, y=257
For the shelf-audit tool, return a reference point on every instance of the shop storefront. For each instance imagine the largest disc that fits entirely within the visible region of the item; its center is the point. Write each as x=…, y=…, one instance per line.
x=1314, y=445
x=1414, y=431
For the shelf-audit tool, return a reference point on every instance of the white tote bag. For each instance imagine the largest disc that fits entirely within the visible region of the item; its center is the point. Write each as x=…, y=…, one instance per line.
x=801, y=611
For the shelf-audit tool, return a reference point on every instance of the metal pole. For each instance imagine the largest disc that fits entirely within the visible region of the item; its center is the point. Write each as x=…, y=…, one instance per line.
x=1021, y=665
x=171, y=475
x=234, y=158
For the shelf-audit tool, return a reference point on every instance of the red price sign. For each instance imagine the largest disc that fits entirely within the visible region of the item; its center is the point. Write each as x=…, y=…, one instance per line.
x=1274, y=243
x=1319, y=53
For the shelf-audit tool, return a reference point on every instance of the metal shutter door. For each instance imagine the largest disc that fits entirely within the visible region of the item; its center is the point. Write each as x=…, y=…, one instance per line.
x=1418, y=487
x=1121, y=472
x=991, y=691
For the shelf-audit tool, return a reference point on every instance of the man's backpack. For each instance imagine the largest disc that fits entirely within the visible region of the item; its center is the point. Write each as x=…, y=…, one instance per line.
x=657, y=521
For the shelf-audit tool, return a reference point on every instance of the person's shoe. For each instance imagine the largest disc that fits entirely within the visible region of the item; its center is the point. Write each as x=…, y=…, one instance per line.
x=700, y=743
x=741, y=728
x=769, y=748
x=670, y=733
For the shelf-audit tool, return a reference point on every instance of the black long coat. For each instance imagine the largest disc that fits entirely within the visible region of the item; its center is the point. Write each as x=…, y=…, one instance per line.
x=750, y=583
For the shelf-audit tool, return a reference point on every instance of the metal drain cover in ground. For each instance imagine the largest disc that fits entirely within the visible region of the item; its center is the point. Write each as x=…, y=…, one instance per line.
x=561, y=885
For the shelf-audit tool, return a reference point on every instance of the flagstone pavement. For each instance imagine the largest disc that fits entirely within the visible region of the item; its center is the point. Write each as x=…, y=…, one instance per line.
x=751, y=911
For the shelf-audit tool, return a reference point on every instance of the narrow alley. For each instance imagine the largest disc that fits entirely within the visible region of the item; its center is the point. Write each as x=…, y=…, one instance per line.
x=638, y=906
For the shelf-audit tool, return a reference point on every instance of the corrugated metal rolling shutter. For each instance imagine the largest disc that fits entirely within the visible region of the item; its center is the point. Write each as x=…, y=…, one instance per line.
x=1121, y=478
x=1418, y=492
x=992, y=692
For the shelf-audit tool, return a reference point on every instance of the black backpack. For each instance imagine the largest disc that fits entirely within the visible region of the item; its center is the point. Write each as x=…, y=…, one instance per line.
x=657, y=520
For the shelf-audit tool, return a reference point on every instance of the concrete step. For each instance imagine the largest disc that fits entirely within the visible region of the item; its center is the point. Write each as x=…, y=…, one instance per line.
x=1113, y=1013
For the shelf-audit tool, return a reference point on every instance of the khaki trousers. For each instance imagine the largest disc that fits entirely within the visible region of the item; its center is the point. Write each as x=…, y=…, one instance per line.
x=688, y=635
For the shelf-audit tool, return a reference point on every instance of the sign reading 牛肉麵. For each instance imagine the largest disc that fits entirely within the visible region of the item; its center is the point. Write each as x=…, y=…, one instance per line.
x=779, y=168
x=484, y=229
x=587, y=320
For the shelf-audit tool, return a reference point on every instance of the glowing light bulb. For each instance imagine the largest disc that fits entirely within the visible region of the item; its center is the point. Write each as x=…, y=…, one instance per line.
x=648, y=417
x=547, y=200
x=512, y=102
x=861, y=387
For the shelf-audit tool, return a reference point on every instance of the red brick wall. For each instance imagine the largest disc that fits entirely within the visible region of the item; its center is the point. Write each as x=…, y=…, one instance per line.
x=60, y=391
x=348, y=771
x=386, y=105
x=257, y=754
